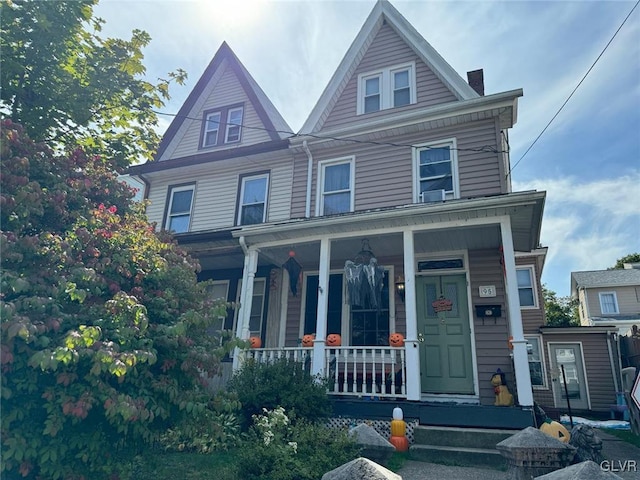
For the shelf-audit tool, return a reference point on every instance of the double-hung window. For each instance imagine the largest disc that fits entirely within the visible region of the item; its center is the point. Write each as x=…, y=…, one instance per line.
x=386, y=88
x=526, y=287
x=436, y=171
x=179, y=206
x=536, y=362
x=608, y=303
x=222, y=126
x=335, y=186
x=252, y=208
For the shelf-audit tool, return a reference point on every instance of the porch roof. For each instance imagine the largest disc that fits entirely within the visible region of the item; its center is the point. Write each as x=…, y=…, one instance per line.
x=524, y=209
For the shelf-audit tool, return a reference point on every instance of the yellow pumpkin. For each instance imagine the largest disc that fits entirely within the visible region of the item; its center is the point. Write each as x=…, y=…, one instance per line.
x=396, y=340
x=401, y=443
x=255, y=342
x=307, y=340
x=556, y=430
x=398, y=428
x=334, y=340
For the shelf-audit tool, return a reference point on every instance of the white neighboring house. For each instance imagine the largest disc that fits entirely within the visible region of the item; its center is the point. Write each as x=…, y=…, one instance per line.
x=609, y=297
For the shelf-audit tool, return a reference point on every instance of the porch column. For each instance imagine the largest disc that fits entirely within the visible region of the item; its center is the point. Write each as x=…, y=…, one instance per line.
x=323, y=304
x=411, y=342
x=520, y=360
x=246, y=298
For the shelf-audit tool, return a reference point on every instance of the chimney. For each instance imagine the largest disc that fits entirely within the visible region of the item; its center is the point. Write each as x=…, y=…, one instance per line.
x=476, y=81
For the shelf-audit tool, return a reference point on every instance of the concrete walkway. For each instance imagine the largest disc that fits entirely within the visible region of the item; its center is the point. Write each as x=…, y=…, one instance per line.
x=616, y=452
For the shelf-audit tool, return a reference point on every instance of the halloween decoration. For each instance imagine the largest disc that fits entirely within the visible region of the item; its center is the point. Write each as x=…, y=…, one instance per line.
x=503, y=396
x=398, y=436
x=255, y=342
x=334, y=340
x=307, y=340
x=293, y=267
x=556, y=430
x=364, y=278
x=588, y=443
x=396, y=340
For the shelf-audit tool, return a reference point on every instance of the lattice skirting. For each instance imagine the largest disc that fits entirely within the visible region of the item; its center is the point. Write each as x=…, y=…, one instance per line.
x=383, y=427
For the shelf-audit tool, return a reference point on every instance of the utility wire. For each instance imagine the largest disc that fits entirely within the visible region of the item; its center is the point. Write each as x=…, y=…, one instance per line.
x=574, y=90
x=484, y=148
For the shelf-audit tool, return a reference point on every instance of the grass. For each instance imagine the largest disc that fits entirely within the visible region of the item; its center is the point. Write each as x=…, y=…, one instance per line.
x=626, y=435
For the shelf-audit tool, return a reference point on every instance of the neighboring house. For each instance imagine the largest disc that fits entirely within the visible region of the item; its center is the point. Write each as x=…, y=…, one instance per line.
x=608, y=297
x=590, y=355
x=400, y=161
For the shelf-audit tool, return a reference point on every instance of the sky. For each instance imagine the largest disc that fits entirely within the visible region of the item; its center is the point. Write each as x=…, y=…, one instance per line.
x=588, y=160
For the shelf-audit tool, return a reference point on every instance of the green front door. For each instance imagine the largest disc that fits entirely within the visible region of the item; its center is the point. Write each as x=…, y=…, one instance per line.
x=446, y=365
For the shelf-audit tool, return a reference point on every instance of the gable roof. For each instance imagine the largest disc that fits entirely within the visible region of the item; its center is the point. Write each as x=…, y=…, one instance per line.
x=275, y=125
x=605, y=278
x=382, y=12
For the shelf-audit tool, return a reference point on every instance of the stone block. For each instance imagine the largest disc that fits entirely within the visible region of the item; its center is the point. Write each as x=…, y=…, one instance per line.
x=374, y=446
x=361, y=469
x=531, y=453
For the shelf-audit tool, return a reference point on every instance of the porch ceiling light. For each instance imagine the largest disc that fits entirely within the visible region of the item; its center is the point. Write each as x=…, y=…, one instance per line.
x=400, y=287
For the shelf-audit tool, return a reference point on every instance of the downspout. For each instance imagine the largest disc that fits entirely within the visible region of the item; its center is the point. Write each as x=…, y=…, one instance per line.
x=147, y=186
x=613, y=368
x=307, y=209
x=243, y=244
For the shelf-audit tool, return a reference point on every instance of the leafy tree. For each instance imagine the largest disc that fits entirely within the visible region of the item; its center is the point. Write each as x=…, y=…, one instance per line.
x=559, y=312
x=104, y=326
x=631, y=258
x=68, y=86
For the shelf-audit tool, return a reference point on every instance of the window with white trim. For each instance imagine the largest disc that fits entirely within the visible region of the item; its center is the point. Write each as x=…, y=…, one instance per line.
x=222, y=126
x=536, y=362
x=336, y=185
x=436, y=171
x=526, y=287
x=219, y=290
x=252, y=208
x=608, y=303
x=257, y=306
x=386, y=88
x=234, y=125
x=178, y=216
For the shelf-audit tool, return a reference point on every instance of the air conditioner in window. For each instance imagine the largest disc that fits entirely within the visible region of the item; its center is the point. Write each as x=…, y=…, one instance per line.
x=432, y=196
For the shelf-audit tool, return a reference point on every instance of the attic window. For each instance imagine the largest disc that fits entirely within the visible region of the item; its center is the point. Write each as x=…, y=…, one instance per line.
x=386, y=88
x=222, y=126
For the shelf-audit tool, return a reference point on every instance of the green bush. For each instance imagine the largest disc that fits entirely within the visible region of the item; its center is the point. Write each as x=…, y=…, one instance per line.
x=279, y=449
x=281, y=383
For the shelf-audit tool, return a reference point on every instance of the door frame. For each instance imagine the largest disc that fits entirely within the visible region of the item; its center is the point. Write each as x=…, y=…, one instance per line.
x=552, y=364
x=464, y=254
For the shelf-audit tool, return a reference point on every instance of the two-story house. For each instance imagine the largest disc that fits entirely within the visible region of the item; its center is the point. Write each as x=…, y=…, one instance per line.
x=390, y=212
x=608, y=297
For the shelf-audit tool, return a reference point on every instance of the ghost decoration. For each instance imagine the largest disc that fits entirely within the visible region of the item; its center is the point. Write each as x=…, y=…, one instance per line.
x=293, y=267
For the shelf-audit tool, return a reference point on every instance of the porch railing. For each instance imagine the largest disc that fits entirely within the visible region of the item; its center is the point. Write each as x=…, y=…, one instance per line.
x=377, y=372
x=366, y=371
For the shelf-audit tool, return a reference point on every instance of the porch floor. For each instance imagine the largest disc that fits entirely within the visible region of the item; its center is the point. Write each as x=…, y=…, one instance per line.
x=437, y=414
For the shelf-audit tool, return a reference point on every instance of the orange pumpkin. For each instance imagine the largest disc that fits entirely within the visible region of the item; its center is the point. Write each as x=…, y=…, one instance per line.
x=401, y=443
x=255, y=342
x=307, y=340
x=396, y=340
x=334, y=340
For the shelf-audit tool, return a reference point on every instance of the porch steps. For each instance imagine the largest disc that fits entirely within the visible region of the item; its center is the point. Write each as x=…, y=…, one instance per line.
x=459, y=446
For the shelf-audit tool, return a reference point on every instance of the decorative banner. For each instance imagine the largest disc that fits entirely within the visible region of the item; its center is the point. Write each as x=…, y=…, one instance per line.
x=442, y=305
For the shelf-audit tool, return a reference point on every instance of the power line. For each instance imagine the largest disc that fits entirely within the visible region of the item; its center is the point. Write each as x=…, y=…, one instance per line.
x=574, y=90
x=483, y=149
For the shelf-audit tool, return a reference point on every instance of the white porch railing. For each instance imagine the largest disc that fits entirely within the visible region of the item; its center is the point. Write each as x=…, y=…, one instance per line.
x=351, y=371
x=366, y=371
x=296, y=354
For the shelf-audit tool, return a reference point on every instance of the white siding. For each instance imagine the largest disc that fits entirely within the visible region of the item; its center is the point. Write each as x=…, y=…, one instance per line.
x=217, y=191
